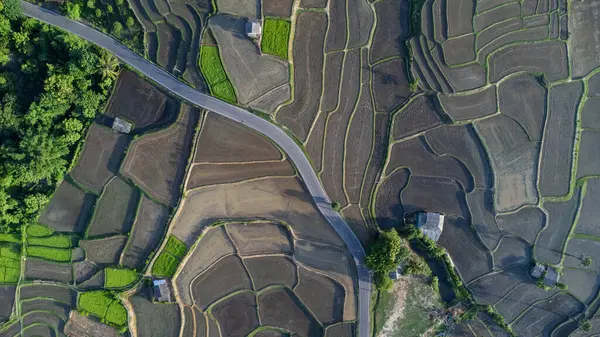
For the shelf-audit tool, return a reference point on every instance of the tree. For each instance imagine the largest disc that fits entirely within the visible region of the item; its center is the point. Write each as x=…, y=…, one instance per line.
x=586, y=325
x=109, y=66
x=130, y=22
x=587, y=261
x=109, y=8
x=117, y=27
x=119, y=3
x=98, y=13
x=72, y=10
x=336, y=206
x=12, y=9
x=382, y=257
x=90, y=4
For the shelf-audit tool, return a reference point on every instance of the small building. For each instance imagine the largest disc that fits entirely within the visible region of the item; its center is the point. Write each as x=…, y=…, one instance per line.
x=551, y=277
x=161, y=290
x=253, y=29
x=537, y=270
x=396, y=274
x=431, y=224
x=121, y=125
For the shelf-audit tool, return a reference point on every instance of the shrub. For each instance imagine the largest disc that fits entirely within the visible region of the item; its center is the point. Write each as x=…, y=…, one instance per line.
x=336, y=206
x=72, y=10
x=175, y=247
x=117, y=27
x=130, y=22
x=119, y=278
x=38, y=231
x=109, y=9
x=587, y=261
x=49, y=253
x=56, y=241
x=586, y=325
x=276, y=34
x=382, y=281
x=562, y=286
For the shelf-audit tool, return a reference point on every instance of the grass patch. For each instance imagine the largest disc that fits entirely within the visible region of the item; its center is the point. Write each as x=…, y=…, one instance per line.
x=119, y=278
x=214, y=73
x=10, y=238
x=276, y=34
x=10, y=264
x=382, y=309
x=103, y=305
x=176, y=247
x=39, y=231
x=49, y=253
x=56, y=241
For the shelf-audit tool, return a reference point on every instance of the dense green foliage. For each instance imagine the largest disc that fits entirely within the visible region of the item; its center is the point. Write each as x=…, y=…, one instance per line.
x=56, y=241
x=175, y=247
x=382, y=257
x=119, y=278
x=214, y=73
x=10, y=263
x=11, y=9
x=103, y=305
x=49, y=253
x=276, y=34
x=114, y=17
x=51, y=88
x=11, y=238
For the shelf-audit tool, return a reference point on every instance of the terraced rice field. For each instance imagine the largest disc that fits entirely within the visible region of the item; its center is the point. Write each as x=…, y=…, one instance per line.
x=498, y=137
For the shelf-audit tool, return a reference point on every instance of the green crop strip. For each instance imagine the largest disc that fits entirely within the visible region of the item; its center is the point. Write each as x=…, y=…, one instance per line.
x=275, y=39
x=168, y=260
x=119, y=278
x=212, y=68
x=103, y=305
x=49, y=253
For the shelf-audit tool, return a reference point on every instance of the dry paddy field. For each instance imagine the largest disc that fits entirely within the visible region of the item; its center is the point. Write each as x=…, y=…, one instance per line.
x=501, y=136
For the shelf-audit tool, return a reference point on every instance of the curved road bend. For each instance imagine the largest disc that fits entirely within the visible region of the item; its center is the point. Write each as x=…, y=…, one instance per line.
x=235, y=113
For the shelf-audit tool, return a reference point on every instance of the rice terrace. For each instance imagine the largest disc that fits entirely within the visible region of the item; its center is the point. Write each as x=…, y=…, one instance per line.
x=299, y=168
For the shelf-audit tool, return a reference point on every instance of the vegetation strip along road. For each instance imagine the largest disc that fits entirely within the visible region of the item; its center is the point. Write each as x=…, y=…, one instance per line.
x=172, y=84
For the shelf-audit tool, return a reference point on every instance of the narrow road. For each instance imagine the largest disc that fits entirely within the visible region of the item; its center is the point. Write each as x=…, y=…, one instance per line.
x=195, y=97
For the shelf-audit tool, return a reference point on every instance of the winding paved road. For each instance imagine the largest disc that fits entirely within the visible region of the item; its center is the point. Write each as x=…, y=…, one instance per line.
x=235, y=113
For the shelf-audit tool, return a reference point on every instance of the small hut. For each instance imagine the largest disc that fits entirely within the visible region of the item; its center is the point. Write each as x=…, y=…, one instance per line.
x=253, y=29
x=431, y=224
x=161, y=290
x=121, y=125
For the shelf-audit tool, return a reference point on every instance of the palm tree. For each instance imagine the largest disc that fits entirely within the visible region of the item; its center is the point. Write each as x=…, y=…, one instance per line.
x=109, y=66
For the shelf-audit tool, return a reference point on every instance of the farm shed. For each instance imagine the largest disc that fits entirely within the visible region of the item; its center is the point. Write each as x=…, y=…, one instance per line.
x=161, y=290
x=253, y=29
x=551, y=277
x=121, y=125
x=431, y=224
x=538, y=270
x=396, y=274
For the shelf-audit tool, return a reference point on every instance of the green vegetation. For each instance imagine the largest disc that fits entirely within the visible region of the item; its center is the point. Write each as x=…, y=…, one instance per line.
x=168, y=260
x=11, y=9
x=103, y=305
x=382, y=258
x=336, y=206
x=10, y=264
x=587, y=261
x=585, y=325
x=214, y=72
x=119, y=21
x=119, y=278
x=11, y=238
x=42, y=119
x=562, y=286
x=38, y=231
x=415, y=18
x=49, y=253
x=276, y=34
x=56, y=241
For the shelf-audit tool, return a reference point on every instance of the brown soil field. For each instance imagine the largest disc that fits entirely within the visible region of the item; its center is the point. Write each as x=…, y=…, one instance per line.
x=279, y=308
x=140, y=102
x=157, y=161
x=468, y=254
x=36, y=269
x=224, y=278
x=79, y=325
x=336, y=264
x=308, y=58
x=391, y=31
x=104, y=251
x=200, y=323
x=83, y=271
x=354, y=218
x=100, y=158
x=270, y=333
x=419, y=115
x=519, y=299
x=237, y=315
x=213, y=328
x=427, y=193
x=115, y=209
x=7, y=298
x=284, y=199
x=281, y=8
x=169, y=39
x=56, y=308
x=269, y=270
x=465, y=106
x=188, y=322
x=337, y=33
x=313, y=3
x=58, y=292
x=527, y=109
x=511, y=251
x=154, y=319
x=332, y=77
x=314, y=143
x=483, y=217
x=341, y=330
x=211, y=247
x=223, y=140
x=493, y=287
x=260, y=238
x=377, y=158
x=390, y=77
x=332, y=175
x=68, y=210
x=211, y=174
x=148, y=229
x=323, y=296
x=462, y=143
x=525, y=223
x=95, y=282
x=415, y=155
x=358, y=153
x=388, y=209
x=37, y=330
